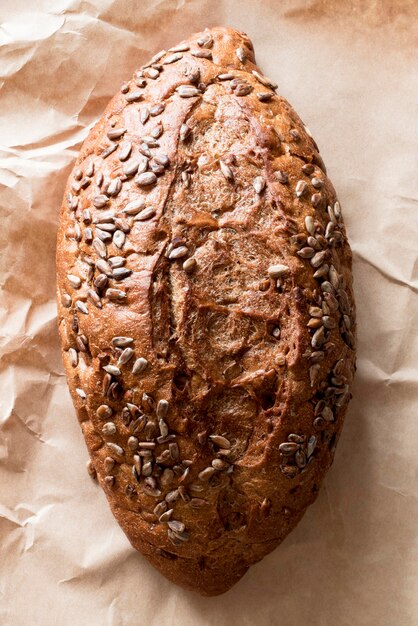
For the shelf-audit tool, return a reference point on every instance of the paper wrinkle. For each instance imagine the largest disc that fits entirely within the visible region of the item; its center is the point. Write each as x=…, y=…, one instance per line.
x=385, y=272
x=352, y=560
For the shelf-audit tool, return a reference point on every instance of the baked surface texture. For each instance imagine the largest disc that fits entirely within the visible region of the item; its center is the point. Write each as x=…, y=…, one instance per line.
x=205, y=310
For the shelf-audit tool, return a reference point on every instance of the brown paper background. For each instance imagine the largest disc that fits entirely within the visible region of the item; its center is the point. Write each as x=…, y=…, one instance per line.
x=350, y=70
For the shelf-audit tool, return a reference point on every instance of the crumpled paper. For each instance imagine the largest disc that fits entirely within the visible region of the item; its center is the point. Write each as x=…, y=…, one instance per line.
x=350, y=70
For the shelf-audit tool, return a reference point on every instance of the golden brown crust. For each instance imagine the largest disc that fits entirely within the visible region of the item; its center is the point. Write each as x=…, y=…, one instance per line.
x=205, y=310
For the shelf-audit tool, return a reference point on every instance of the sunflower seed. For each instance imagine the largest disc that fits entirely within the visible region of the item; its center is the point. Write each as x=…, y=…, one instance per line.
x=189, y=264
x=337, y=210
x=220, y=464
x=243, y=89
x=184, y=132
x=241, y=54
x=73, y=356
x=120, y=273
x=94, y=298
x=119, y=238
x=334, y=279
x=103, y=235
x=109, y=428
x=162, y=409
x=288, y=448
x=282, y=177
x=300, y=459
x=206, y=41
x=317, y=183
x=81, y=393
x=112, y=369
x=226, y=171
x=329, y=322
x=300, y=189
x=126, y=356
x=133, y=443
x=131, y=167
x=116, y=133
x=139, y=366
x=314, y=371
x=162, y=159
x=187, y=91
x=310, y=225
x=115, y=448
x=156, y=168
x=114, y=187
x=264, y=80
x=166, y=516
x=109, y=464
x=163, y=428
x=207, y=473
x=308, y=169
x=296, y=438
x=109, y=480
x=313, y=243
x=318, y=258
x=86, y=216
x=108, y=151
x=177, y=538
x=172, y=496
x=100, y=281
x=134, y=96
x=81, y=306
x=144, y=115
x=327, y=287
x=82, y=343
x=314, y=322
x=331, y=214
x=157, y=131
x=132, y=208
x=276, y=332
x=311, y=446
x=160, y=508
x=265, y=96
x=259, y=184
x=322, y=272
x=74, y=281
x=202, y=54
x=315, y=311
x=100, y=201
x=316, y=199
x=182, y=47
x=277, y=271
x=145, y=214
x=177, y=526
x=151, y=72
x=172, y=58
x=306, y=252
x=104, y=411
x=146, y=179
x=226, y=76
x=107, y=226
x=318, y=338
x=220, y=441
x=327, y=414
x=177, y=253
x=155, y=110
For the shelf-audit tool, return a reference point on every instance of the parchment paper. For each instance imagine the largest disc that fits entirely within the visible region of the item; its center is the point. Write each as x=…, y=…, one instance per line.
x=350, y=70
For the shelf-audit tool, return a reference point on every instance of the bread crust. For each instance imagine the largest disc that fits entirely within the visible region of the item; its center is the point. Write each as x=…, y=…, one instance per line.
x=205, y=310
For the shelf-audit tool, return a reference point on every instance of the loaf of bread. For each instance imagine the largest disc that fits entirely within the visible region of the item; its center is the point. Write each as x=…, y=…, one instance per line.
x=205, y=310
